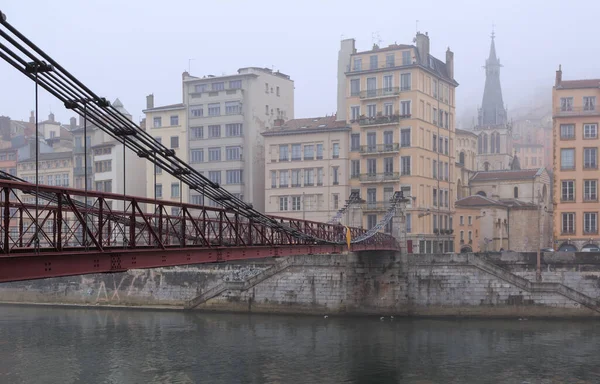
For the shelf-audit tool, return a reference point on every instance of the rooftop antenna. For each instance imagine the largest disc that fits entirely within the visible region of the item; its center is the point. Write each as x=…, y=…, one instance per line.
x=190, y=64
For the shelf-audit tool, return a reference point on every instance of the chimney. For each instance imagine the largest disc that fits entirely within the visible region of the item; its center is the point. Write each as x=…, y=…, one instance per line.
x=150, y=101
x=73, y=123
x=450, y=63
x=347, y=48
x=5, y=127
x=558, y=79
x=423, y=48
x=32, y=117
x=51, y=117
x=278, y=122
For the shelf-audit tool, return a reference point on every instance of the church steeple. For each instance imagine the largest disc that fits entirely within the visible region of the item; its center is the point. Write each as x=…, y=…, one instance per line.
x=492, y=110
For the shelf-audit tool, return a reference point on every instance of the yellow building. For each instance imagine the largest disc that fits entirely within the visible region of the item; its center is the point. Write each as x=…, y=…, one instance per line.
x=575, y=127
x=168, y=125
x=400, y=103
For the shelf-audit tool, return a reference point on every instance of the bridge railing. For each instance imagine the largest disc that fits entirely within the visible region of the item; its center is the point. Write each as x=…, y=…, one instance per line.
x=71, y=219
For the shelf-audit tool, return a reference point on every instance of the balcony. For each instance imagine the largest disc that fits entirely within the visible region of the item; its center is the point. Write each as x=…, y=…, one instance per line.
x=379, y=93
x=379, y=177
x=576, y=111
x=380, y=120
x=379, y=148
x=80, y=171
x=376, y=206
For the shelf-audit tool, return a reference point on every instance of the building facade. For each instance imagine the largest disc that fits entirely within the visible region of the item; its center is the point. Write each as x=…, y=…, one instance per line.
x=306, y=168
x=575, y=127
x=466, y=161
x=399, y=101
x=168, y=125
x=226, y=116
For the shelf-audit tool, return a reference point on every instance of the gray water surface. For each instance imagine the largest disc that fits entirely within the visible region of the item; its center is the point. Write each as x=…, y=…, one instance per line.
x=69, y=345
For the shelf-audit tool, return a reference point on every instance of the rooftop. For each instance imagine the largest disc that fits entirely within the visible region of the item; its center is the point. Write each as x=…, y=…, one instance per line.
x=51, y=156
x=465, y=132
x=519, y=174
x=575, y=84
x=165, y=108
x=246, y=71
x=482, y=201
x=308, y=125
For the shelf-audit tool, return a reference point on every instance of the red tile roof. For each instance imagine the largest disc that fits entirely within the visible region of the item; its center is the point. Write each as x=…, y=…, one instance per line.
x=507, y=175
x=477, y=201
x=574, y=84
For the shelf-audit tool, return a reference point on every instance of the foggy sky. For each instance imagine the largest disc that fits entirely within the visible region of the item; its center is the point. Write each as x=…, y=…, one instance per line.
x=128, y=49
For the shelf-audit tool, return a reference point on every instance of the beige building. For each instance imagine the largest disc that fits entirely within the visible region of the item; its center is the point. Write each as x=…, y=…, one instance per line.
x=55, y=168
x=466, y=160
x=225, y=116
x=306, y=168
x=168, y=125
x=400, y=103
x=531, y=155
x=575, y=125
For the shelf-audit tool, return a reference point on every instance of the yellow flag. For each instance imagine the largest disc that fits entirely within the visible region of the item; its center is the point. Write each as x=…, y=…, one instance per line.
x=348, y=237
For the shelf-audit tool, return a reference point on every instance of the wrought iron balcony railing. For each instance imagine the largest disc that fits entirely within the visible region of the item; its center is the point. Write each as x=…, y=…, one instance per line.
x=379, y=148
x=381, y=92
x=379, y=177
x=381, y=120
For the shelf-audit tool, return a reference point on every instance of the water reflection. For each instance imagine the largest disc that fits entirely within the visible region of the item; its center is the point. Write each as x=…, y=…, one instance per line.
x=49, y=345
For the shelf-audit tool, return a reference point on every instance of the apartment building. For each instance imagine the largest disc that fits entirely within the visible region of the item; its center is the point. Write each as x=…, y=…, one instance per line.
x=168, y=125
x=225, y=116
x=531, y=155
x=306, y=168
x=109, y=168
x=400, y=103
x=575, y=125
x=55, y=168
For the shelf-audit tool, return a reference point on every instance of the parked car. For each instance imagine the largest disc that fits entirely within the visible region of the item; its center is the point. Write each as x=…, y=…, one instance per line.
x=547, y=250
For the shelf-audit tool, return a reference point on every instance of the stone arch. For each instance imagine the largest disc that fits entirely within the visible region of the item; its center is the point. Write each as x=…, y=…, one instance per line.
x=516, y=192
x=466, y=249
x=482, y=193
x=589, y=245
x=567, y=247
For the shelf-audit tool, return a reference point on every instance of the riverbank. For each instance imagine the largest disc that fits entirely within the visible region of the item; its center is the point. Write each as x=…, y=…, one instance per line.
x=381, y=284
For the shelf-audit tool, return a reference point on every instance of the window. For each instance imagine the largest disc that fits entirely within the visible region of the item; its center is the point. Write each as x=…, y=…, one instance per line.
x=296, y=202
x=371, y=141
x=590, y=158
x=566, y=104
x=470, y=220
x=446, y=174
x=435, y=169
x=434, y=146
x=405, y=57
x=388, y=82
x=446, y=146
x=389, y=60
x=233, y=130
x=174, y=189
x=174, y=120
x=336, y=150
x=197, y=155
x=567, y=131
x=388, y=140
x=434, y=197
x=266, y=87
x=405, y=108
x=568, y=223
x=214, y=176
x=516, y=192
x=371, y=110
x=388, y=109
x=371, y=166
x=197, y=111
x=233, y=176
x=103, y=166
x=355, y=87
x=405, y=165
x=355, y=142
x=157, y=122
x=273, y=179
x=336, y=201
x=388, y=165
x=266, y=109
x=158, y=191
x=435, y=222
x=157, y=169
x=214, y=131
x=462, y=236
x=283, y=153
x=462, y=220
x=296, y=178
x=283, y=203
x=319, y=151
x=355, y=113
x=199, y=88
x=354, y=168
x=590, y=190
x=590, y=222
x=309, y=152
x=309, y=177
x=218, y=86
x=357, y=64
x=283, y=179
x=336, y=175
x=197, y=133
x=405, y=82
x=214, y=154
x=590, y=131
x=434, y=87
x=197, y=199
x=296, y=152
x=235, y=84
x=470, y=236
x=214, y=109
x=233, y=153
x=589, y=103
x=373, y=62
x=278, y=91
x=174, y=142
x=408, y=223
x=233, y=108
x=320, y=176
x=371, y=221
x=567, y=159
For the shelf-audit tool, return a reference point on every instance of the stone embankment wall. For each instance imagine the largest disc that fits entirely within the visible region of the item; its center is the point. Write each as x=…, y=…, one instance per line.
x=362, y=283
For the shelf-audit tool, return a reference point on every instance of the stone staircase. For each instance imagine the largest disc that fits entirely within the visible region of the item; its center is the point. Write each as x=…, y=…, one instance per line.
x=530, y=286
x=239, y=285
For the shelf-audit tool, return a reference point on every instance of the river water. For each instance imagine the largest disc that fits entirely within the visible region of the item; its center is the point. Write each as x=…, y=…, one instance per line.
x=96, y=345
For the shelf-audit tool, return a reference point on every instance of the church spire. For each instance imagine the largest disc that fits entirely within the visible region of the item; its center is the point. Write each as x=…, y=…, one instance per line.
x=492, y=110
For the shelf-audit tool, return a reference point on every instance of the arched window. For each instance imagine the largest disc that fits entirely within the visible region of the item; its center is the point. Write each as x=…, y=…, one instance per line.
x=461, y=158
x=481, y=193
x=493, y=146
x=486, y=166
x=485, y=143
x=497, y=142
x=516, y=192
x=480, y=144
